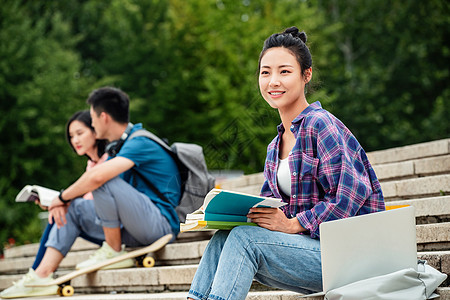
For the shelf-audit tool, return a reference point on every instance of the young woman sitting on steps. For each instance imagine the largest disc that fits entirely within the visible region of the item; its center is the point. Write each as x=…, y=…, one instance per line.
x=82, y=139
x=315, y=164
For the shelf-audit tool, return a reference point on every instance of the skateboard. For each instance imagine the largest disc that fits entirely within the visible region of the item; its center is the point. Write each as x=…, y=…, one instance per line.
x=65, y=289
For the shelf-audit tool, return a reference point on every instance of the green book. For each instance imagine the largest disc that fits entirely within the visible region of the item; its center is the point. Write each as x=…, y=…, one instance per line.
x=224, y=209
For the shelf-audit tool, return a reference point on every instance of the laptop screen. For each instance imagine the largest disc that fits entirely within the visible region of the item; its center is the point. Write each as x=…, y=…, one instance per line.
x=366, y=246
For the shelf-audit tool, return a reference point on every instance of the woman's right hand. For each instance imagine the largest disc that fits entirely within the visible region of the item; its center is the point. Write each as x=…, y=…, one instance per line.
x=57, y=211
x=58, y=214
x=37, y=202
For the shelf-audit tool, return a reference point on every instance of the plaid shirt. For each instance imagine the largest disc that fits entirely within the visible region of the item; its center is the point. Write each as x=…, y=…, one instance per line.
x=331, y=177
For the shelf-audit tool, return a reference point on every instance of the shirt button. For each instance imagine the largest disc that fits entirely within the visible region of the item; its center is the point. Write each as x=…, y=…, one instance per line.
x=292, y=126
x=290, y=152
x=294, y=196
x=295, y=173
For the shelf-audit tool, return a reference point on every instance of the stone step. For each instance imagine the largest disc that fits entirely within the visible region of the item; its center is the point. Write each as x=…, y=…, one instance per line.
x=385, y=172
x=420, y=187
x=427, y=149
x=81, y=244
x=444, y=293
x=414, y=160
x=433, y=237
x=172, y=278
x=413, y=168
x=258, y=295
x=265, y=295
x=242, y=182
x=31, y=249
x=172, y=254
x=432, y=207
x=430, y=186
x=430, y=237
x=439, y=260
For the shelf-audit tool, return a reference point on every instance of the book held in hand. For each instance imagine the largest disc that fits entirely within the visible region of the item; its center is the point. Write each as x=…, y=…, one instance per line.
x=31, y=193
x=224, y=209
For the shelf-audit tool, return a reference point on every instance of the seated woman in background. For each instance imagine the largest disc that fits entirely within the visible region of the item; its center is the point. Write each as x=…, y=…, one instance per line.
x=315, y=164
x=82, y=139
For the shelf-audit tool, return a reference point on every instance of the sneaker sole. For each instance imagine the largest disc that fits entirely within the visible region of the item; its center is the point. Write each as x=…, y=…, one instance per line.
x=128, y=263
x=47, y=291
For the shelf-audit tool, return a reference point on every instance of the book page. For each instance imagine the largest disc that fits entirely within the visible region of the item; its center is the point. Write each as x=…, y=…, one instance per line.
x=234, y=203
x=30, y=193
x=45, y=195
x=24, y=194
x=270, y=203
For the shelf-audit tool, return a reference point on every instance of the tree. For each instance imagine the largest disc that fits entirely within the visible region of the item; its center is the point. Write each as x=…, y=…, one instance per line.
x=40, y=88
x=388, y=75
x=214, y=75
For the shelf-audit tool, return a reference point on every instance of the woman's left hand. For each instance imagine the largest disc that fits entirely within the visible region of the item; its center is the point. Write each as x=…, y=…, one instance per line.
x=274, y=219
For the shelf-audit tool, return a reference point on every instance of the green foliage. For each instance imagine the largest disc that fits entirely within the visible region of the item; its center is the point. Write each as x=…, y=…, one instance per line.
x=190, y=70
x=388, y=76
x=40, y=88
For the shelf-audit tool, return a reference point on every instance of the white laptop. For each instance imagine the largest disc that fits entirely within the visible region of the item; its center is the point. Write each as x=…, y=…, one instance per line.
x=366, y=246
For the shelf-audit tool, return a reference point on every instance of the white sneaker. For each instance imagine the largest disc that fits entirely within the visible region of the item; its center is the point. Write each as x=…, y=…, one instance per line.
x=19, y=290
x=105, y=253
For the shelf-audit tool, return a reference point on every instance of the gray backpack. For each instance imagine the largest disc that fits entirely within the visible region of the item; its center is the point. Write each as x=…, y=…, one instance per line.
x=403, y=284
x=196, y=181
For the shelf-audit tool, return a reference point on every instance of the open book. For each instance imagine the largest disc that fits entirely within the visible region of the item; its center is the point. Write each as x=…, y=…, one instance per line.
x=223, y=209
x=30, y=193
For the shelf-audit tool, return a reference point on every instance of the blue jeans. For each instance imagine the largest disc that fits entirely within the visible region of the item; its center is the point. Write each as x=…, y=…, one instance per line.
x=234, y=258
x=43, y=248
x=115, y=204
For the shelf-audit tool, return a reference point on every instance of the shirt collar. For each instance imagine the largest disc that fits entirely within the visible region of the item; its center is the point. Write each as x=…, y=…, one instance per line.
x=313, y=106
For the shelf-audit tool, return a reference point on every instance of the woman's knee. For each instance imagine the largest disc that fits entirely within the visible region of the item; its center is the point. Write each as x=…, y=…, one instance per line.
x=246, y=234
x=242, y=238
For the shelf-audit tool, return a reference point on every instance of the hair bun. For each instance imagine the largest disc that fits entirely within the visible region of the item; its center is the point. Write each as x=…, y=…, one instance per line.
x=295, y=33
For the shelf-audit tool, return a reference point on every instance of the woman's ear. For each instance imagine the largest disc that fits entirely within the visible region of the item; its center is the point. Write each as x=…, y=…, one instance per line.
x=307, y=75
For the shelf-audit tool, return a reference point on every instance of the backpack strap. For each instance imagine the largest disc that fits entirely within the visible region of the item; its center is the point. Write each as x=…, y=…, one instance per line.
x=153, y=137
x=150, y=185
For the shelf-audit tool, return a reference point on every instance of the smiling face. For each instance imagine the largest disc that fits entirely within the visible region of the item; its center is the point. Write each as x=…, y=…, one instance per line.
x=281, y=82
x=82, y=138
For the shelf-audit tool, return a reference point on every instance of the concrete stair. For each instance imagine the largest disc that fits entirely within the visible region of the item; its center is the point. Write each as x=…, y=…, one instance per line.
x=417, y=175
x=265, y=295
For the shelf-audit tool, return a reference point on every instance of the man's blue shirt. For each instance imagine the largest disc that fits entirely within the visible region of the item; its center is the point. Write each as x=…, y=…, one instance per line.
x=153, y=162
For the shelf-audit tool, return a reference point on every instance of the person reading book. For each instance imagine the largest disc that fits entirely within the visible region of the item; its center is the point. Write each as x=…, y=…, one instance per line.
x=82, y=139
x=315, y=164
x=125, y=211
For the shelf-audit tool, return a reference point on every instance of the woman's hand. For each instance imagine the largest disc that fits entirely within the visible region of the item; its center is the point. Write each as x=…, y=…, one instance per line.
x=274, y=219
x=57, y=212
x=37, y=202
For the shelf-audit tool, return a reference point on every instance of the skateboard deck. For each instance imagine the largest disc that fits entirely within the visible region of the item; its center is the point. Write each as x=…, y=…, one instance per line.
x=64, y=281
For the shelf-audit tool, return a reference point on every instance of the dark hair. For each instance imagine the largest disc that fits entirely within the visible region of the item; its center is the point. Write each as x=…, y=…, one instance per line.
x=294, y=41
x=84, y=117
x=111, y=100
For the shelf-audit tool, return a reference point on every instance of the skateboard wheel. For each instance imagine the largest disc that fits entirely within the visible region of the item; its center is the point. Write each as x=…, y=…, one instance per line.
x=148, y=262
x=67, y=291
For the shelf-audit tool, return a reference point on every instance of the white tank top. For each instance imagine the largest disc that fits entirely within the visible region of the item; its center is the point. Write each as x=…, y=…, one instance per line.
x=284, y=176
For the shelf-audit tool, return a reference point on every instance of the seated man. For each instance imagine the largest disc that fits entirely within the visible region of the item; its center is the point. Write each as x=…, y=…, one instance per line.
x=125, y=211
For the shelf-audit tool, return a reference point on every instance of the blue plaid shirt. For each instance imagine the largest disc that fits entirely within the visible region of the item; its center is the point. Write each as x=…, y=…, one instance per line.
x=331, y=177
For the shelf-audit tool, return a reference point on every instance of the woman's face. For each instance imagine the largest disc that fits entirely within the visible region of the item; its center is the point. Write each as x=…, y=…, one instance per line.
x=280, y=79
x=82, y=138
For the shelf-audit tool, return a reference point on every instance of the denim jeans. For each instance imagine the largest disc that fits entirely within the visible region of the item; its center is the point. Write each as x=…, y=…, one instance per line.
x=44, y=238
x=115, y=204
x=234, y=258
